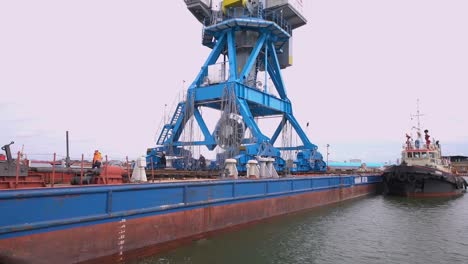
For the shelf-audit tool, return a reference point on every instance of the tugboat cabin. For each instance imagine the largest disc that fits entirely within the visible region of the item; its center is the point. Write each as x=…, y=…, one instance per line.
x=428, y=154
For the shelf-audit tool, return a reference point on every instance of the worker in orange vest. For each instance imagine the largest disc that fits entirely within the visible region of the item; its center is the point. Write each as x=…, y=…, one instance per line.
x=97, y=159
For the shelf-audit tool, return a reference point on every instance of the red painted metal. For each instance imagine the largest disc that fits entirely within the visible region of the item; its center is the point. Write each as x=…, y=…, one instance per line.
x=53, y=172
x=104, y=243
x=81, y=169
x=113, y=171
x=17, y=169
x=105, y=171
x=30, y=181
x=65, y=176
x=54, y=175
x=110, y=175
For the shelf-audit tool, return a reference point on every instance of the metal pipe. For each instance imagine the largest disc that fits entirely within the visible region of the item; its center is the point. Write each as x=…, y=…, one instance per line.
x=265, y=89
x=152, y=168
x=67, y=160
x=17, y=169
x=59, y=169
x=105, y=171
x=82, y=166
x=7, y=150
x=128, y=169
x=53, y=171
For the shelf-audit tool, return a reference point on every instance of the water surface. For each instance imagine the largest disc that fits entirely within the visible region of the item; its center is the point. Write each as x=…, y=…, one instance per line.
x=378, y=229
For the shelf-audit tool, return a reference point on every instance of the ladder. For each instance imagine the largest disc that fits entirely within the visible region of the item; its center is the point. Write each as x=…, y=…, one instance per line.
x=167, y=129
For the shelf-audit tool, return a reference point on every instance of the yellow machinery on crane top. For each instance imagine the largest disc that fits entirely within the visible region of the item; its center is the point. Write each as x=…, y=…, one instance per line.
x=233, y=3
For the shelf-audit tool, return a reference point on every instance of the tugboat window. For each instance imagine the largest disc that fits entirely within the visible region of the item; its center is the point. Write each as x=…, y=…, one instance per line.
x=424, y=155
x=432, y=155
x=416, y=155
x=410, y=154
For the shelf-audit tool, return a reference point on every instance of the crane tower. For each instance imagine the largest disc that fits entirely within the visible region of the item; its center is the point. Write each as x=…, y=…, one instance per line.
x=250, y=42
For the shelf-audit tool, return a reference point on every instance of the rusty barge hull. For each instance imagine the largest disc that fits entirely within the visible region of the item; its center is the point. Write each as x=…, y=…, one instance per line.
x=73, y=225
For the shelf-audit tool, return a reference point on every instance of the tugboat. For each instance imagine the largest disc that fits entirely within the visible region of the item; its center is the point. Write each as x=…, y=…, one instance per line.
x=423, y=172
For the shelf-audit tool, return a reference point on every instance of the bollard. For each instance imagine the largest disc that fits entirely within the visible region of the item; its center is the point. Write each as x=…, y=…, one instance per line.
x=253, y=169
x=139, y=172
x=230, y=166
x=263, y=170
x=271, y=168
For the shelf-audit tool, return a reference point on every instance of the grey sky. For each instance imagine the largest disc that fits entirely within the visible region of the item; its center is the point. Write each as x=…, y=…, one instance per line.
x=104, y=70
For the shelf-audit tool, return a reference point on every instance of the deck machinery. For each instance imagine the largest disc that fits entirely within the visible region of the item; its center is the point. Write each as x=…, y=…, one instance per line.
x=251, y=43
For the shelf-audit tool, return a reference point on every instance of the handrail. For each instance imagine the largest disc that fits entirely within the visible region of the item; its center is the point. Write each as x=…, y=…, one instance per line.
x=240, y=12
x=180, y=97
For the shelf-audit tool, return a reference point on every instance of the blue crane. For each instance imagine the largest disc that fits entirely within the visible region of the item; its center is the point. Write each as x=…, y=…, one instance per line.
x=245, y=38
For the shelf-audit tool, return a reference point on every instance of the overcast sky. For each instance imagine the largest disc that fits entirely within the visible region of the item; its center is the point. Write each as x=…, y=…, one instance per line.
x=104, y=69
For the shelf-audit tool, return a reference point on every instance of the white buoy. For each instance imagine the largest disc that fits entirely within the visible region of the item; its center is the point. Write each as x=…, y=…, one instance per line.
x=139, y=174
x=231, y=168
x=253, y=170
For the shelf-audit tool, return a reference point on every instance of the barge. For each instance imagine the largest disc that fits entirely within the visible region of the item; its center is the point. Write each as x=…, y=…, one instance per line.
x=79, y=224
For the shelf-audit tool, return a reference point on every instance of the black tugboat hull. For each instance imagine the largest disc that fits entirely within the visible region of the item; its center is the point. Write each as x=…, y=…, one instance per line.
x=419, y=181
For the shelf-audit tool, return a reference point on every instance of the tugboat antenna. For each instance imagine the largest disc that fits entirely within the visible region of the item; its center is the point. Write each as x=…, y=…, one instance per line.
x=418, y=115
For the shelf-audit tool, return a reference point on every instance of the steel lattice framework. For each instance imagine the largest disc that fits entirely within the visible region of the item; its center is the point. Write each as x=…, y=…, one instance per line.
x=252, y=42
